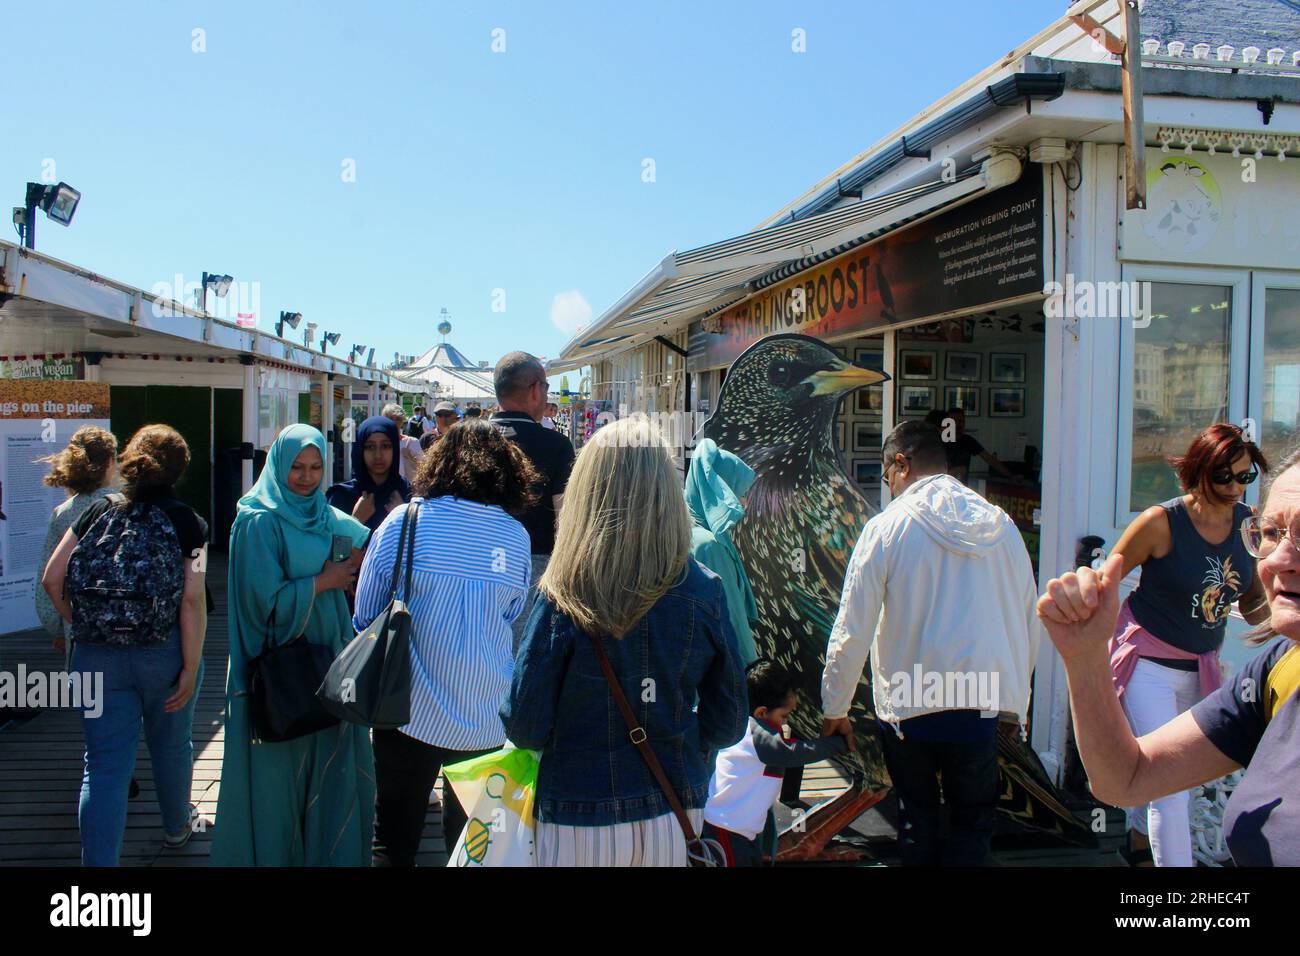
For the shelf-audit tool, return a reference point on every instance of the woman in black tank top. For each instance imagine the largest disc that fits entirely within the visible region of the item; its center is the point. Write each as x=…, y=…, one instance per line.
x=1195, y=566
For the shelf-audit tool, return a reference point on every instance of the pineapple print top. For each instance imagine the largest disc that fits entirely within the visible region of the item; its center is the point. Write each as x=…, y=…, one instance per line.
x=1185, y=597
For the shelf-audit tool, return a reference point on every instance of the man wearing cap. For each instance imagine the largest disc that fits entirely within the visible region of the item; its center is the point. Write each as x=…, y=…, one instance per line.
x=444, y=416
x=521, y=387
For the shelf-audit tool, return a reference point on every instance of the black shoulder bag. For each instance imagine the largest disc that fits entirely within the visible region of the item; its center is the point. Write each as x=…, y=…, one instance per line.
x=282, y=682
x=369, y=683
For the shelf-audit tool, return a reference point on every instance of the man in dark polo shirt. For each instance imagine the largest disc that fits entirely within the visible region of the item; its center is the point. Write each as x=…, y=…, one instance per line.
x=521, y=388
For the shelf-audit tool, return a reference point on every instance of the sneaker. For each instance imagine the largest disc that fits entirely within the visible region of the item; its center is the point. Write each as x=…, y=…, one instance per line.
x=174, y=841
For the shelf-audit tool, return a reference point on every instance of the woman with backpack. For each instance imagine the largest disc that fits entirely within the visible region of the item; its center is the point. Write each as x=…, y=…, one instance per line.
x=306, y=801
x=133, y=566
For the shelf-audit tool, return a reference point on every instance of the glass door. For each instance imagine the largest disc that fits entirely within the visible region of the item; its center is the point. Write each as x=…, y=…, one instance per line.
x=1275, y=363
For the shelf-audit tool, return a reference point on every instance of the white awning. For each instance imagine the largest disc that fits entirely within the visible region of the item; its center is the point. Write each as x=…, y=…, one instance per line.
x=689, y=284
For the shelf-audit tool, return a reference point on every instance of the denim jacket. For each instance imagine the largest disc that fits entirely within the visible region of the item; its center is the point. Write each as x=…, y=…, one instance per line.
x=591, y=774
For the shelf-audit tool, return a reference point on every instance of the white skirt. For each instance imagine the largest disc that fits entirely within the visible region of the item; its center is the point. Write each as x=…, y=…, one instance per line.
x=655, y=842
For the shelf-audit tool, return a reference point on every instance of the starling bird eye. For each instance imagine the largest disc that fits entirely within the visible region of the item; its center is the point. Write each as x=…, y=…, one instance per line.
x=781, y=374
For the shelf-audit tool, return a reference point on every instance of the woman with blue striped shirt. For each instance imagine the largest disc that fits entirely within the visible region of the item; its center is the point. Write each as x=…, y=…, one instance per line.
x=469, y=581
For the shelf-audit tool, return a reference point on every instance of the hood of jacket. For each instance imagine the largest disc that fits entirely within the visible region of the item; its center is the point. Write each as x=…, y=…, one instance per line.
x=954, y=515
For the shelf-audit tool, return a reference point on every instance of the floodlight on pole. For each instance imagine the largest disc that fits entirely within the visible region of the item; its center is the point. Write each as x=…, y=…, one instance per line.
x=218, y=283
x=290, y=319
x=59, y=202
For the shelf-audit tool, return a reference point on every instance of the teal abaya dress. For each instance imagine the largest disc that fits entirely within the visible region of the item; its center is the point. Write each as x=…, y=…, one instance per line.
x=310, y=801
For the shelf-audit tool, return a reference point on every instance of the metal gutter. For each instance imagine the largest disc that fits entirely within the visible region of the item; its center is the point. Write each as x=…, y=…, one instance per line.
x=1016, y=89
x=1198, y=78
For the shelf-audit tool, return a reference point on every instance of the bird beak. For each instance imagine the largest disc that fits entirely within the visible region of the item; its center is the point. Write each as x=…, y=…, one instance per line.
x=842, y=377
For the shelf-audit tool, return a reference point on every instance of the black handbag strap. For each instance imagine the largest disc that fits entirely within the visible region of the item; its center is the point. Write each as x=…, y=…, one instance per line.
x=405, y=545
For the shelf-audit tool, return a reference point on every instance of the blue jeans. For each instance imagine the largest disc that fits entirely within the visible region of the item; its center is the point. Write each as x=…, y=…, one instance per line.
x=136, y=683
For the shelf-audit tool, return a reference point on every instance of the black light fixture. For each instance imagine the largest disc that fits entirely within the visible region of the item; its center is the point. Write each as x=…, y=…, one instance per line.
x=331, y=337
x=290, y=319
x=59, y=202
x=218, y=283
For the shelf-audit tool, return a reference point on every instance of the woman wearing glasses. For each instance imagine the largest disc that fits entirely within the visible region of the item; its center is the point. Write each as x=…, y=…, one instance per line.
x=1164, y=651
x=1252, y=721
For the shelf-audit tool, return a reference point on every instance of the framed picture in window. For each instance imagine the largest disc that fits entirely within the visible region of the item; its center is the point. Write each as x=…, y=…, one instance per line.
x=867, y=437
x=962, y=366
x=918, y=364
x=869, y=358
x=1006, y=367
x=965, y=397
x=866, y=471
x=870, y=400
x=1006, y=403
x=915, y=399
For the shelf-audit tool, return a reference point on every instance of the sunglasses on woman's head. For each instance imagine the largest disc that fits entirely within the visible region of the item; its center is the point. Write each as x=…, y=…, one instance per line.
x=1227, y=477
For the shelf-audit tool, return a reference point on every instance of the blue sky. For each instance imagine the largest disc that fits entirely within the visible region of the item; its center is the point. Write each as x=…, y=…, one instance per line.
x=475, y=171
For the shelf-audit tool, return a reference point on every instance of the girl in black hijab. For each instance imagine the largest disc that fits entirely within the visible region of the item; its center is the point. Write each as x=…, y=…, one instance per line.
x=376, y=487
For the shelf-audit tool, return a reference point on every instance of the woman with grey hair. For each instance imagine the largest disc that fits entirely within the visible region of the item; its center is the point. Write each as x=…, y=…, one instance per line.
x=1252, y=721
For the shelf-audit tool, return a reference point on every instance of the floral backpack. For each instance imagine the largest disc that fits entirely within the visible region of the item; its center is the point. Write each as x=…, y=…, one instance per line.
x=126, y=577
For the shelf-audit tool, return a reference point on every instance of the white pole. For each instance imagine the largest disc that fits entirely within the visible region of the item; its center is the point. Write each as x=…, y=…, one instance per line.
x=249, y=426
x=326, y=424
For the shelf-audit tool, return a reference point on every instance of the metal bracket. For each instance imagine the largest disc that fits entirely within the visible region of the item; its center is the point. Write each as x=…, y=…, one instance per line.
x=846, y=193
x=913, y=153
x=669, y=344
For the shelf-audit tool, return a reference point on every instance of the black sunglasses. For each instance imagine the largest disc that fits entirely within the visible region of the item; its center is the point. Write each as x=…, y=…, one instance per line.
x=1241, y=477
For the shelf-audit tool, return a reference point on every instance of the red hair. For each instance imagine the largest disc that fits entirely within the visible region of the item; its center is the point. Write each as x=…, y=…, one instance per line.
x=1214, y=449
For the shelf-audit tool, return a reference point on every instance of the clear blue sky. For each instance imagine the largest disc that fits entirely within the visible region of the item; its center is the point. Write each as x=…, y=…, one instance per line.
x=475, y=170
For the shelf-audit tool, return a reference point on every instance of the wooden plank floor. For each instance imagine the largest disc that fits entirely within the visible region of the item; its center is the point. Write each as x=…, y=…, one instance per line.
x=41, y=767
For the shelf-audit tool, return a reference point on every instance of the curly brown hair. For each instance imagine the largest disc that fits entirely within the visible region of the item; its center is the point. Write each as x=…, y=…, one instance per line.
x=476, y=462
x=155, y=458
x=83, y=465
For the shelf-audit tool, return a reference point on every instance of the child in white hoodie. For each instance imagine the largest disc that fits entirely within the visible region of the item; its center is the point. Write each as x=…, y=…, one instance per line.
x=747, y=776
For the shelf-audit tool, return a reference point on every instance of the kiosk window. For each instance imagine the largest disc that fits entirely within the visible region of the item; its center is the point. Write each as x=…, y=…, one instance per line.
x=1280, y=427
x=1180, y=382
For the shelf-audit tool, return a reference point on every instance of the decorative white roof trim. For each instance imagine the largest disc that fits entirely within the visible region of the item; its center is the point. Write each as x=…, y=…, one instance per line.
x=1213, y=141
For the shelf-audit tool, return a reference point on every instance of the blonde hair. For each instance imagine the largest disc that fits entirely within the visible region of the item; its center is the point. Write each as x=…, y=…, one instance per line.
x=83, y=465
x=624, y=533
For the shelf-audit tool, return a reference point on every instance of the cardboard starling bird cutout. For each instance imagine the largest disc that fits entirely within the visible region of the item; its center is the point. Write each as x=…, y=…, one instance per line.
x=803, y=518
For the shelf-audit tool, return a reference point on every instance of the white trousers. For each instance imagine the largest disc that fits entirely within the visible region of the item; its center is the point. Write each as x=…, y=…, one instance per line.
x=1154, y=696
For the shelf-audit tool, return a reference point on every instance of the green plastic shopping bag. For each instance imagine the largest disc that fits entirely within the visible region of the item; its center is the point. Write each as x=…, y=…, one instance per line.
x=497, y=792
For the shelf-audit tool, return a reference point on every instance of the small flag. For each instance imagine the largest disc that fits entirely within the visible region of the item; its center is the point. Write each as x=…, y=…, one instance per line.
x=246, y=320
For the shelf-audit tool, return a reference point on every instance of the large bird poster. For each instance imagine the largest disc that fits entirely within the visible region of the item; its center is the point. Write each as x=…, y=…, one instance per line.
x=804, y=515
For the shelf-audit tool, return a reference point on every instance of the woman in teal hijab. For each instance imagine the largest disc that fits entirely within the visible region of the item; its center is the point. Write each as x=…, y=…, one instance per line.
x=309, y=801
x=715, y=486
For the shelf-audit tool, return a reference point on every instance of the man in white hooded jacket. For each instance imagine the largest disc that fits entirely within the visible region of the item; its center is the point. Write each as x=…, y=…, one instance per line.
x=941, y=592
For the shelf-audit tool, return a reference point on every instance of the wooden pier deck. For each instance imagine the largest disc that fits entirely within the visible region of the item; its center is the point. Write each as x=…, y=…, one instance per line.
x=41, y=767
